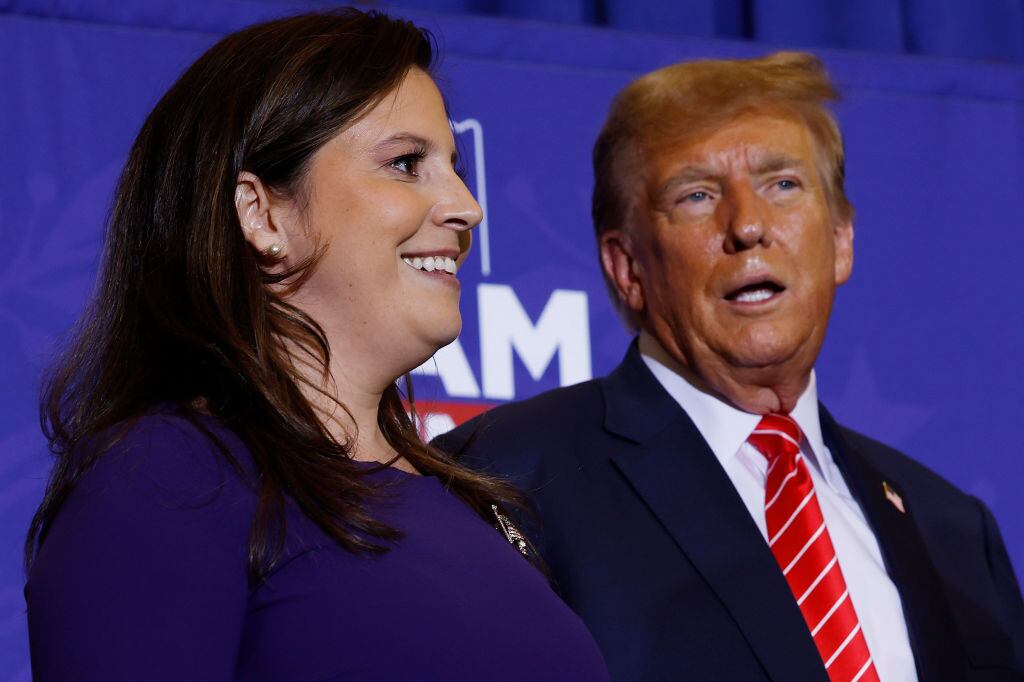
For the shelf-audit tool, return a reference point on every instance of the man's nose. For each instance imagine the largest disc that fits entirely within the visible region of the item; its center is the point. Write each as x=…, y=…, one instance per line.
x=746, y=220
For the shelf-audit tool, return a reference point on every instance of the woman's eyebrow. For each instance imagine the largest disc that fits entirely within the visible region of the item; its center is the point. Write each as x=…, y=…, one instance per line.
x=412, y=139
x=405, y=138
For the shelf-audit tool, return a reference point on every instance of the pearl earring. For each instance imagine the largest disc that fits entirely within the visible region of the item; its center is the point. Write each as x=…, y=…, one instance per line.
x=274, y=250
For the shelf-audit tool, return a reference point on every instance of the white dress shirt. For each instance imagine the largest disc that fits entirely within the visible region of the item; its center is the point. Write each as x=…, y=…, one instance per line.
x=726, y=429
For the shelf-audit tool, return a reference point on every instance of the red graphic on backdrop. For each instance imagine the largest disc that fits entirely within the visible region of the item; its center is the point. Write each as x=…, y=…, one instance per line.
x=439, y=416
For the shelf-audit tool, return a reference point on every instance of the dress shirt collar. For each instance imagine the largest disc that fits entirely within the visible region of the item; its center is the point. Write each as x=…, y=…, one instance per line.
x=724, y=427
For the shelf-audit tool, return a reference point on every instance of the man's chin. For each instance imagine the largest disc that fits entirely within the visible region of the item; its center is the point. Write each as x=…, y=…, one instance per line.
x=768, y=363
x=760, y=360
x=769, y=346
x=759, y=383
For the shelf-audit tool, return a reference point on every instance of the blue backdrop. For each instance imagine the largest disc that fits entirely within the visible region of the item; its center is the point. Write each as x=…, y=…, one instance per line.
x=924, y=350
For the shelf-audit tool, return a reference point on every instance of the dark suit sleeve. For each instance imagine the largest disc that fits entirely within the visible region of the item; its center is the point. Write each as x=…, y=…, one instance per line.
x=485, y=444
x=1005, y=580
x=142, y=575
x=463, y=443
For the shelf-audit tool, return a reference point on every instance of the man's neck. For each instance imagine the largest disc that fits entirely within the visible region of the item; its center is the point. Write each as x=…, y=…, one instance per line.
x=751, y=396
x=754, y=391
x=724, y=425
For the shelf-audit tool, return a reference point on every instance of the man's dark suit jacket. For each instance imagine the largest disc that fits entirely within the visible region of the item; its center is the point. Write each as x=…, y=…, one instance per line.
x=648, y=540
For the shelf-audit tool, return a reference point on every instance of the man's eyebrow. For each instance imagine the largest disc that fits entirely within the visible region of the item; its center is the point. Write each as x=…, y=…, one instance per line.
x=776, y=162
x=771, y=163
x=688, y=174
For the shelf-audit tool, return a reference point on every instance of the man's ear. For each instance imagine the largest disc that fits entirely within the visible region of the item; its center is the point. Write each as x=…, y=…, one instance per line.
x=253, y=203
x=622, y=269
x=842, y=236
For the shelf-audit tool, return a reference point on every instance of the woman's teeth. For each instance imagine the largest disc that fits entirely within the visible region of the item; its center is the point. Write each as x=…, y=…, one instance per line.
x=432, y=263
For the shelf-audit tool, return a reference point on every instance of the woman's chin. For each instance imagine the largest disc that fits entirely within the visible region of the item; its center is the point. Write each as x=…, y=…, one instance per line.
x=435, y=340
x=448, y=332
x=445, y=340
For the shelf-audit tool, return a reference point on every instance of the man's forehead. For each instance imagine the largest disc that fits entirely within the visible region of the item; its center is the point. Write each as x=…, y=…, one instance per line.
x=756, y=142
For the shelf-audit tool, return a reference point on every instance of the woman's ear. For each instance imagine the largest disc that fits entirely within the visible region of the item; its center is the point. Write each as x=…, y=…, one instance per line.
x=253, y=205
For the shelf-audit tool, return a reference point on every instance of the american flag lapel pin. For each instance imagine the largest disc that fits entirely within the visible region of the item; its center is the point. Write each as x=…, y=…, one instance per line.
x=893, y=497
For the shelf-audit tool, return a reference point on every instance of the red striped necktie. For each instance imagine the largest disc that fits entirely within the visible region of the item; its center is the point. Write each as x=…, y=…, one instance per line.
x=801, y=544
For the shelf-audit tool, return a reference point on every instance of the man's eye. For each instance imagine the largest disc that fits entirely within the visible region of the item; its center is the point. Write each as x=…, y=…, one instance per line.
x=786, y=184
x=695, y=197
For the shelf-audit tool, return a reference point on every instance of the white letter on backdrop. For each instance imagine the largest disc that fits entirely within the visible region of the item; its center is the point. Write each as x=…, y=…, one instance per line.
x=563, y=328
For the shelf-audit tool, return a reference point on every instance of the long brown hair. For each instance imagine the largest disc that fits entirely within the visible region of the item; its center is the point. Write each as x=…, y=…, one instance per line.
x=184, y=314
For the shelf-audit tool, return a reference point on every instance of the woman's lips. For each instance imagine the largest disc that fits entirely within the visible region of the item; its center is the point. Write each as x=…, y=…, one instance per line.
x=441, y=264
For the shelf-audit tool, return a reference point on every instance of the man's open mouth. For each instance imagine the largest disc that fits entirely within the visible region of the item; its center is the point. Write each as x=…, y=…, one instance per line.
x=755, y=292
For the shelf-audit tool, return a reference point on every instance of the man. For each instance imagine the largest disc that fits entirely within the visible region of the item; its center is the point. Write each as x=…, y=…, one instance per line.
x=707, y=518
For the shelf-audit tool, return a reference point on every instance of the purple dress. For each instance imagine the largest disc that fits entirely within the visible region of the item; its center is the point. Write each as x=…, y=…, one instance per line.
x=142, y=577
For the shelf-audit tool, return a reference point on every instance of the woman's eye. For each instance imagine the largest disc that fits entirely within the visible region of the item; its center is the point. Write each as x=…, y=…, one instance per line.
x=407, y=164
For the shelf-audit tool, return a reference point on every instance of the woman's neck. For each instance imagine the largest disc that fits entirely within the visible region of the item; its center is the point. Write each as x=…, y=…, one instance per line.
x=348, y=404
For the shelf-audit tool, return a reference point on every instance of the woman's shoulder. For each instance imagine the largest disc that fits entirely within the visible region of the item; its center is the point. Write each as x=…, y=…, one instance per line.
x=148, y=491
x=173, y=455
x=151, y=540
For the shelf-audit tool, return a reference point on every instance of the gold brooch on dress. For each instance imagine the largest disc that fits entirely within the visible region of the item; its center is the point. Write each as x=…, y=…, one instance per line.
x=511, y=533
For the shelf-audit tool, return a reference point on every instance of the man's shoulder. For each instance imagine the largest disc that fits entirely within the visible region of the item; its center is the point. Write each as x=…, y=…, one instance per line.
x=548, y=420
x=905, y=469
x=553, y=413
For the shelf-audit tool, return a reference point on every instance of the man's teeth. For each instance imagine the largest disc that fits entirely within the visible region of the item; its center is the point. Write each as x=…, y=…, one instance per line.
x=755, y=296
x=431, y=263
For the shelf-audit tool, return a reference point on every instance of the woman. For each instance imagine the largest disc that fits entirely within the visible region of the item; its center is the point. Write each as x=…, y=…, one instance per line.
x=239, y=493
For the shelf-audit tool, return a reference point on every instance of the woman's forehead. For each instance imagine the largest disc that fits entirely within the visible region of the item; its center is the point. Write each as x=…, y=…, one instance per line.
x=414, y=109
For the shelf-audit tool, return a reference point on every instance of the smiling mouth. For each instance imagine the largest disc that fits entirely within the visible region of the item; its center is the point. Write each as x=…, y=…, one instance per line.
x=757, y=292
x=438, y=264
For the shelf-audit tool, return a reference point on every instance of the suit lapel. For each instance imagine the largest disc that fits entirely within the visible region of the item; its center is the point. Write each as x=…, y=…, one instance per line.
x=937, y=648
x=679, y=479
